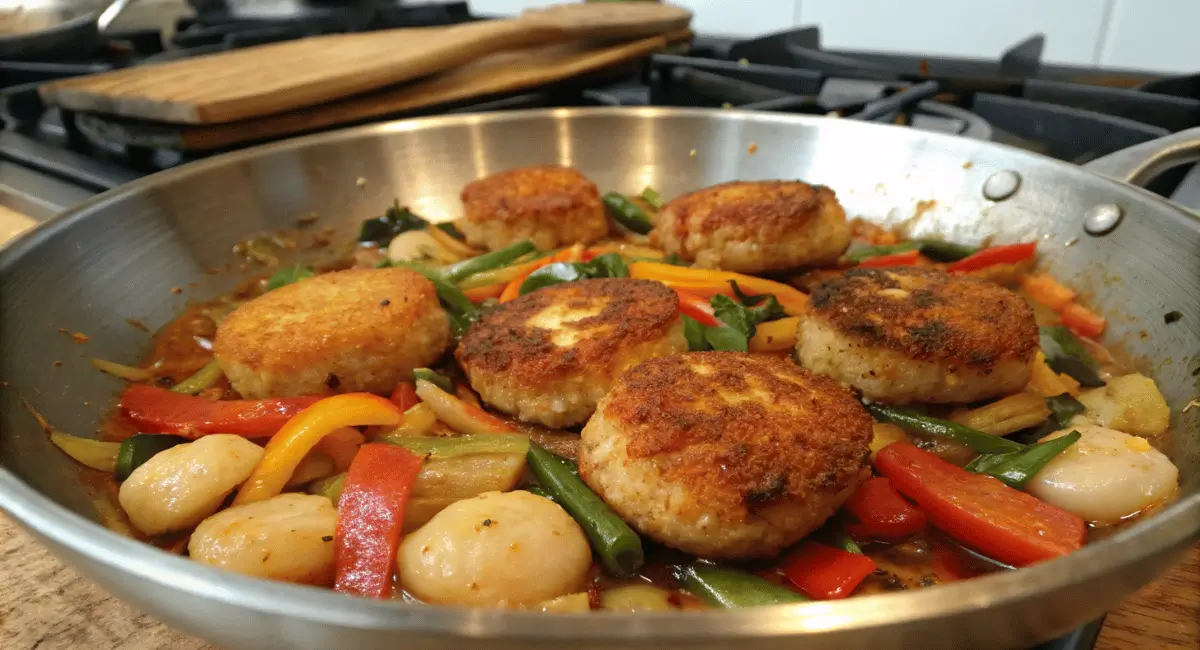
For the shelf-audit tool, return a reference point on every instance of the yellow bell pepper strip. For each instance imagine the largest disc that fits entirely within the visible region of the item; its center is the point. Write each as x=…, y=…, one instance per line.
x=459, y=415
x=707, y=281
x=775, y=336
x=371, y=519
x=308, y=427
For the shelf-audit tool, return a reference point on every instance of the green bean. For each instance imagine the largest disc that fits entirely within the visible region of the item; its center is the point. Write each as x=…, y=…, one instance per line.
x=977, y=440
x=1016, y=468
x=1066, y=354
x=435, y=447
x=551, y=274
x=847, y=543
x=619, y=548
x=450, y=295
x=205, y=378
x=945, y=251
x=137, y=449
x=436, y=378
x=486, y=262
x=865, y=252
x=536, y=489
x=651, y=196
x=730, y=588
x=627, y=213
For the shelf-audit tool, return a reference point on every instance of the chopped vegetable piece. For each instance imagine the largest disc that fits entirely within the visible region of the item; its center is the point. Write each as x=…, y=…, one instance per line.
x=946, y=251
x=487, y=262
x=394, y=221
x=627, y=213
x=301, y=433
x=697, y=308
x=907, y=258
x=457, y=414
x=137, y=449
x=436, y=378
x=619, y=548
x=1005, y=416
x=1066, y=354
x=1045, y=290
x=726, y=339
x=156, y=410
x=449, y=228
x=1016, y=468
x=824, y=572
x=92, y=453
x=371, y=519
x=203, y=379
x=775, y=336
x=123, y=371
x=450, y=295
x=552, y=274
x=534, y=489
x=501, y=276
x=847, y=544
x=693, y=331
x=707, y=282
x=454, y=246
x=746, y=317
x=1063, y=408
x=913, y=421
x=651, y=196
x=289, y=275
x=449, y=446
x=513, y=290
x=330, y=487
x=882, y=513
x=405, y=395
x=858, y=254
x=981, y=512
x=1083, y=321
x=993, y=255
x=732, y=589
x=480, y=294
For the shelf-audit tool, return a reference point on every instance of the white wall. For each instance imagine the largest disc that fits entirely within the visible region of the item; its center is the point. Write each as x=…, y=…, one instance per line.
x=1144, y=34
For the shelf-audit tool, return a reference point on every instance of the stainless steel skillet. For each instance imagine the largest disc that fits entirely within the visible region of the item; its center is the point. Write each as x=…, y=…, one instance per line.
x=119, y=256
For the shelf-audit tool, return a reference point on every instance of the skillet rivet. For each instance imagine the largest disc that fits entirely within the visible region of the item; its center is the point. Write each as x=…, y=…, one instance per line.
x=1001, y=185
x=1102, y=219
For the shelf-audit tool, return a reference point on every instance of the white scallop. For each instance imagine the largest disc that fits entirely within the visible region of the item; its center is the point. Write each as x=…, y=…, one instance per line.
x=510, y=549
x=1105, y=476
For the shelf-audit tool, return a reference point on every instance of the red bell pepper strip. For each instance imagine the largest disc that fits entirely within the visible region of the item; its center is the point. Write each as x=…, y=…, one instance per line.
x=824, y=572
x=882, y=513
x=907, y=258
x=697, y=308
x=1083, y=321
x=1010, y=254
x=979, y=511
x=156, y=410
x=405, y=395
x=371, y=518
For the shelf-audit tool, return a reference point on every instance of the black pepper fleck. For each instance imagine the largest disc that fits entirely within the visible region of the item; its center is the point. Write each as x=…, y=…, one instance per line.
x=327, y=538
x=332, y=381
x=385, y=302
x=487, y=522
x=1172, y=317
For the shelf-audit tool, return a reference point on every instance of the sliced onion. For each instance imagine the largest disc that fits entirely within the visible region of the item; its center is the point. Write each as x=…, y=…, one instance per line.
x=93, y=453
x=124, y=372
x=461, y=417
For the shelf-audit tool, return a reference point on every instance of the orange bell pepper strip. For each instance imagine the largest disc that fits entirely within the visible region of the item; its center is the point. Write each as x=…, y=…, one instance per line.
x=573, y=254
x=1083, y=321
x=371, y=519
x=696, y=281
x=775, y=336
x=157, y=410
x=1045, y=290
x=479, y=294
x=405, y=396
x=907, y=258
x=301, y=433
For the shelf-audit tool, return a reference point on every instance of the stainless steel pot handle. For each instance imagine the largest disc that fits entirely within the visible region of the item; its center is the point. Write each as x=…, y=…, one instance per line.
x=1140, y=163
x=110, y=13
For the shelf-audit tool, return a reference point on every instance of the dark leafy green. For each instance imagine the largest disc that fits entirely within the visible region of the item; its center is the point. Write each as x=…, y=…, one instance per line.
x=726, y=339
x=694, y=331
x=609, y=265
x=287, y=276
x=627, y=213
x=1066, y=354
x=395, y=220
x=1064, y=407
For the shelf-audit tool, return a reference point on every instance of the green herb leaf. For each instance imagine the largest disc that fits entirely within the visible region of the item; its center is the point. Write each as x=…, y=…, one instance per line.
x=733, y=314
x=694, y=332
x=552, y=274
x=1064, y=407
x=394, y=221
x=287, y=276
x=726, y=339
x=1066, y=354
x=608, y=265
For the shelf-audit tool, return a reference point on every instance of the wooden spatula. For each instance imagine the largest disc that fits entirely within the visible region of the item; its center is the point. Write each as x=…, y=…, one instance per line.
x=274, y=78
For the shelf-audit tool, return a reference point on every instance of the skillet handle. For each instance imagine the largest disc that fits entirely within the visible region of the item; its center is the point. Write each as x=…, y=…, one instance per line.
x=1139, y=164
x=110, y=13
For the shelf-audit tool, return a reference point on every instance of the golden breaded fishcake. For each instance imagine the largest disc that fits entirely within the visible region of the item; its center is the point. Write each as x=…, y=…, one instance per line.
x=347, y=331
x=550, y=355
x=550, y=206
x=916, y=334
x=725, y=454
x=755, y=226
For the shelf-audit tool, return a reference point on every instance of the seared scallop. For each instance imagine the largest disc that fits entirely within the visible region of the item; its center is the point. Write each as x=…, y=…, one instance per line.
x=549, y=356
x=724, y=454
x=755, y=226
x=356, y=330
x=912, y=334
x=551, y=206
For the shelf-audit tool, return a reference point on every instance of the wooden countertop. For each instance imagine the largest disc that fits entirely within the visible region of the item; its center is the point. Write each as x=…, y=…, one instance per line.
x=47, y=606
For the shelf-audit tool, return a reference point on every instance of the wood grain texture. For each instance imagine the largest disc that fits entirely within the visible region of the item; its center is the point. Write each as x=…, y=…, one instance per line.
x=274, y=78
x=46, y=606
x=506, y=72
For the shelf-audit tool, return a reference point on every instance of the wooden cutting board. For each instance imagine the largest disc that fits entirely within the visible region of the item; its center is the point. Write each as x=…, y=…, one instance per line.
x=505, y=72
x=274, y=78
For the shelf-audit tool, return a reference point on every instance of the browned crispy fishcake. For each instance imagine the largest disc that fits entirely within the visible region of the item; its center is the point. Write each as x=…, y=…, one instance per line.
x=551, y=206
x=755, y=226
x=907, y=334
x=549, y=356
x=355, y=330
x=723, y=454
